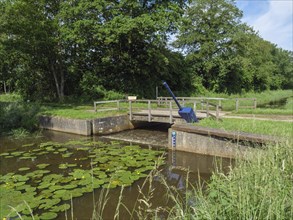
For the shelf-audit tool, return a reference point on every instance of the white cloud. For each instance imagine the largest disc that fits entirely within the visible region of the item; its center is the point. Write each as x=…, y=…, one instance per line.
x=276, y=24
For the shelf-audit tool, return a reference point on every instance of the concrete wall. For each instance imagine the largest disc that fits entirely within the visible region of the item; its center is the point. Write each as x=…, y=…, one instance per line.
x=212, y=141
x=111, y=124
x=74, y=126
x=203, y=144
x=87, y=127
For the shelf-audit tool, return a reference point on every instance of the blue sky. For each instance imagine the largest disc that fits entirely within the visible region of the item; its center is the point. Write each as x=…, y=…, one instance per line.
x=273, y=19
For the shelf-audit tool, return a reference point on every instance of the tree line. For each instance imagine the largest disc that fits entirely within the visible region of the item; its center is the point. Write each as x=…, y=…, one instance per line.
x=50, y=49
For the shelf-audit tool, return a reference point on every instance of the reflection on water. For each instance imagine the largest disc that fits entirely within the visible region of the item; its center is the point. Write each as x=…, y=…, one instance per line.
x=175, y=171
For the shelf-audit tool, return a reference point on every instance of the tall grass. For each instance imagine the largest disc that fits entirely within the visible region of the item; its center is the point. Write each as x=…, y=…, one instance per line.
x=257, y=188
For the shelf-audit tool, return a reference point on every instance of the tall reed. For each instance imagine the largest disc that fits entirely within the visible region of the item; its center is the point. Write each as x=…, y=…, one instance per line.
x=259, y=187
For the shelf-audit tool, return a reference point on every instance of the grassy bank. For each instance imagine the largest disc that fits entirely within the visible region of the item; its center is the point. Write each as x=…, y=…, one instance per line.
x=257, y=188
x=77, y=112
x=275, y=128
x=263, y=98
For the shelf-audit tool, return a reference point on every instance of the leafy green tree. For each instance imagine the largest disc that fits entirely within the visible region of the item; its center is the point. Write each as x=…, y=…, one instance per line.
x=206, y=36
x=227, y=55
x=121, y=43
x=33, y=38
x=284, y=72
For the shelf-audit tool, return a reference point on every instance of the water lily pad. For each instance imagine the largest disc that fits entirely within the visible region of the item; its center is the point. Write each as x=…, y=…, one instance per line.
x=63, y=149
x=67, y=155
x=43, y=165
x=24, y=168
x=48, y=215
x=20, y=178
x=4, y=154
x=63, y=166
x=28, y=145
x=28, y=157
x=51, y=148
x=17, y=153
x=48, y=203
x=44, y=185
x=70, y=186
x=83, y=148
x=60, y=208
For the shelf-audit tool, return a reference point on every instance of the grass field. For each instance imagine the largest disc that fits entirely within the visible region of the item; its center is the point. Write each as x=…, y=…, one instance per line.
x=276, y=128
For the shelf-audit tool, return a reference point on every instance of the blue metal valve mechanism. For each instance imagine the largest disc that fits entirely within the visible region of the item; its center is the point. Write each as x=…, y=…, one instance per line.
x=186, y=113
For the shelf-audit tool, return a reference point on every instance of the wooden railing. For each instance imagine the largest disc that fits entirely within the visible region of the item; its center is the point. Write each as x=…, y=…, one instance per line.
x=104, y=105
x=218, y=101
x=238, y=106
x=151, y=107
x=210, y=106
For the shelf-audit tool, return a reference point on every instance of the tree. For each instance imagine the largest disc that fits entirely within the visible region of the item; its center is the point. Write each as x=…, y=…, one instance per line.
x=32, y=31
x=206, y=35
x=122, y=43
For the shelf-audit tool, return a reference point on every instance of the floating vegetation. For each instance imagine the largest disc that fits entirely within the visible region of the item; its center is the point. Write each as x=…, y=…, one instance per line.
x=35, y=188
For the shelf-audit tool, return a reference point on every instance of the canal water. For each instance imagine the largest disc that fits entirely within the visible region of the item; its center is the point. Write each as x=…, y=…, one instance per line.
x=177, y=165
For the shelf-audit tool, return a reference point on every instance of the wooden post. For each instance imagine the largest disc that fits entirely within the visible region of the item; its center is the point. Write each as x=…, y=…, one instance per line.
x=118, y=105
x=220, y=103
x=194, y=106
x=183, y=102
x=254, y=103
x=171, y=112
x=95, y=106
x=157, y=92
x=237, y=105
x=130, y=110
x=201, y=102
x=208, y=108
x=217, y=112
x=149, y=111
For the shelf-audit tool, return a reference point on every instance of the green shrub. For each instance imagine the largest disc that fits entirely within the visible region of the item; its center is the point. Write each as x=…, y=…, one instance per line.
x=10, y=97
x=18, y=115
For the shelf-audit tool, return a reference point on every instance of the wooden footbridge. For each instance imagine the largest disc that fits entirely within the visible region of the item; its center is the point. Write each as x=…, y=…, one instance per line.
x=164, y=109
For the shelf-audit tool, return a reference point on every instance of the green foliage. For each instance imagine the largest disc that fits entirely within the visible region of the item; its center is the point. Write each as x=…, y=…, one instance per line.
x=53, y=49
x=19, y=133
x=10, y=97
x=229, y=56
x=22, y=116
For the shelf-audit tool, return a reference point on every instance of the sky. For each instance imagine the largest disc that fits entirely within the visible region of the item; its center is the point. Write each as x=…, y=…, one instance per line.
x=273, y=19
